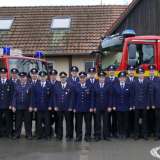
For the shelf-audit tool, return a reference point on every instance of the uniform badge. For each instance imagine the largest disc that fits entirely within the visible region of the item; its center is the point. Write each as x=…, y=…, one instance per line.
x=8, y=89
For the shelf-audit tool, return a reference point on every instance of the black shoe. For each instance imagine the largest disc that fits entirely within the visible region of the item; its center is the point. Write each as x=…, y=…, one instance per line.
x=145, y=138
x=29, y=137
x=107, y=139
x=10, y=136
x=38, y=138
x=16, y=137
x=59, y=138
x=97, y=139
x=47, y=138
x=115, y=136
x=78, y=139
x=68, y=139
x=157, y=138
x=136, y=138
x=87, y=139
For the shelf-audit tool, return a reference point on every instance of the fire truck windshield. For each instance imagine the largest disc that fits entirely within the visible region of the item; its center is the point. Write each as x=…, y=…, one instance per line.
x=25, y=65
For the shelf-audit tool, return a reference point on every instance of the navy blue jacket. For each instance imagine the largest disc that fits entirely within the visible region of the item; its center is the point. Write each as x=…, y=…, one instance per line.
x=111, y=98
x=141, y=94
x=101, y=95
x=62, y=98
x=151, y=90
x=90, y=84
x=83, y=98
x=131, y=83
x=122, y=97
x=73, y=83
x=6, y=94
x=22, y=96
x=42, y=96
x=32, y=90
x=156, y=93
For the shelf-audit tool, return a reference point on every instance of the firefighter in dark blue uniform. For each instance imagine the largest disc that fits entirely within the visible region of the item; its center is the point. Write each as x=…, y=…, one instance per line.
x=131, y=80
x=122, y=93
x=111, y=79
x=14, y=75
x=151, y=87
x=14, y=80
x=63, y=105
x=73, y=80
x=83, y=107
x=53, y=115
x=91, y=81
x=22, y=106
x=6, y=92
x=141, y=105
x=101, y=92
x=156, y=101
x=34, y=76
x=42, y=93
x=33, y=81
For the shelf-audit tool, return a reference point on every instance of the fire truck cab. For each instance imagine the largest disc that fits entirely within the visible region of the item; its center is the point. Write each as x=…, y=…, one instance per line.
x=128, y=49
x=15, y=59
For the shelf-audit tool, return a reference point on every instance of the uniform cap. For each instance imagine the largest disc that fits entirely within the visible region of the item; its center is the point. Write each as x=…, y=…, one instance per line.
x=92, y=70
x=42, y=73
x=74, y=69
x=151, y=67
x=102, y=74
x=111, y=68
x=63, y=74
x=22, y=74
x=122, y=74
x=34, y=71
x=82, y=74
x=3, y=70
x=131, y=68
x=140, y=70
x=53, y=72
x=14, y=71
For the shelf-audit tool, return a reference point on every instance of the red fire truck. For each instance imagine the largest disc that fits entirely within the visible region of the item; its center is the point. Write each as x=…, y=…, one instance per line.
x=22, y=63
x=128, y=49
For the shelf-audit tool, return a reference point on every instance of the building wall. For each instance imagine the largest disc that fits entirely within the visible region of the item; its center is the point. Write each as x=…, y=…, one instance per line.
x=62, y=63
x=80, y=61
x=144, y=18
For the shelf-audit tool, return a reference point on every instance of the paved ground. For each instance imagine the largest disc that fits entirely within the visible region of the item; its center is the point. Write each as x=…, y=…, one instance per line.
x=52, y=150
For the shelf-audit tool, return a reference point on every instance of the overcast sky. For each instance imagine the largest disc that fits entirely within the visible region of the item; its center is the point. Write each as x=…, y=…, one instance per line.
x=60, y=2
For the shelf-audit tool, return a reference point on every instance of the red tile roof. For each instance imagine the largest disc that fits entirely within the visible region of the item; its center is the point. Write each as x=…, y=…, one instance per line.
x=31, y=29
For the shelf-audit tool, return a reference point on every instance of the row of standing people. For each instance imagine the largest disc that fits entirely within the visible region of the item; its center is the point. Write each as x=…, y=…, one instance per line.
x=119, y=107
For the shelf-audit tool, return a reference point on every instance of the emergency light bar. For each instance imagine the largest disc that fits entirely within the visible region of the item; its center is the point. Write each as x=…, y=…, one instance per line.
x=116, y=40
x=6, y=51
x=39, y=54
x=128, y=33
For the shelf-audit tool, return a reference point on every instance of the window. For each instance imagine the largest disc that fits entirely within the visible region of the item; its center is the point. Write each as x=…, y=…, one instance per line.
x=144, y=54
x=61, y=23
x=89, y=64
x=5, y=24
